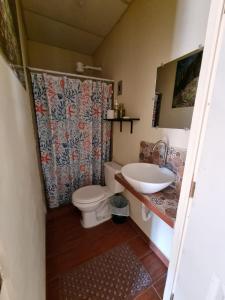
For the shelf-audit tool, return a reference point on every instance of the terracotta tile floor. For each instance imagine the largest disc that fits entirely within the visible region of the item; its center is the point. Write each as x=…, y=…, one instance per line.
x=68, y=245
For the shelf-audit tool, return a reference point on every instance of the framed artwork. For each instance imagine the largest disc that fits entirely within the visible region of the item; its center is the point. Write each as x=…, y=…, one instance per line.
x=186, y=82
x=10, y=46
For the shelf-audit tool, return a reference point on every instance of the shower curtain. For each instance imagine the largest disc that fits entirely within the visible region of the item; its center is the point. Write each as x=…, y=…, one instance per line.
x=74, y=139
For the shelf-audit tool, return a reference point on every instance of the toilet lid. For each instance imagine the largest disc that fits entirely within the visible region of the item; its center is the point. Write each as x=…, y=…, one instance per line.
x=88, y=194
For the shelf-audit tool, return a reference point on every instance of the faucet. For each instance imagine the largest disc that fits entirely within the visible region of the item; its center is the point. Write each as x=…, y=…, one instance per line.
x=165, y=151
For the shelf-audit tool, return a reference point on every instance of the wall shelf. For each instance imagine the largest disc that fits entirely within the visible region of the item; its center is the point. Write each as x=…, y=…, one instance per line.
x=121, y=120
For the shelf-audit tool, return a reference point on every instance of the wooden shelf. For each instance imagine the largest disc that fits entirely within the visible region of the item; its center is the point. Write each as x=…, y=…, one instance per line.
x=147, y=200
x=121, y=120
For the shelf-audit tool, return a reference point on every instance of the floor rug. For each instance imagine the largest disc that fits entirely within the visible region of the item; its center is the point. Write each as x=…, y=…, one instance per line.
x=114, y=275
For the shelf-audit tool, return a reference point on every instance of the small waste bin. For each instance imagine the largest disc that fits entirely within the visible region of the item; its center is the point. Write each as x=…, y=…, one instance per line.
x=119, y=208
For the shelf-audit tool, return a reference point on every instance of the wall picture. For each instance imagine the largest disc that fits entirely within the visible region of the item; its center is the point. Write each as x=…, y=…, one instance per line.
x=186, y=81
x=10, y=46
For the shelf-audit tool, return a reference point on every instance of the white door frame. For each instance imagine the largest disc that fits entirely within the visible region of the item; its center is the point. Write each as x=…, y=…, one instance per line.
x=199, y=119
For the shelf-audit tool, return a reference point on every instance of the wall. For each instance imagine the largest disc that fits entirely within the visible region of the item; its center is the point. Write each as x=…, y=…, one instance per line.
x=150, y=33
x=179, y=117
x=54, y=58
x=22, y=210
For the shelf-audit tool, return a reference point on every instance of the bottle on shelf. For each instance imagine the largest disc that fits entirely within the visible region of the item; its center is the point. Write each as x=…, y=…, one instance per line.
x=121, y=111
x=116, y=109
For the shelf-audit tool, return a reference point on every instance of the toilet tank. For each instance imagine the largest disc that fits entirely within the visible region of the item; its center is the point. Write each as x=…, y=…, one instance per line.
x=112, y=168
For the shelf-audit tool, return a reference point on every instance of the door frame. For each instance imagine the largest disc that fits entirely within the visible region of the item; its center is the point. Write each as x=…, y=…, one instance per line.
x=197, y=131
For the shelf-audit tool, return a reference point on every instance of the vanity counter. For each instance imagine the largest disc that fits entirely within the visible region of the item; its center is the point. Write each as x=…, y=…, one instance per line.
x=163, y=204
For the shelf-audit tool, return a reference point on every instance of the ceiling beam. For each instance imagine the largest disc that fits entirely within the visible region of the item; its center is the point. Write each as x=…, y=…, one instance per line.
x=64, y=23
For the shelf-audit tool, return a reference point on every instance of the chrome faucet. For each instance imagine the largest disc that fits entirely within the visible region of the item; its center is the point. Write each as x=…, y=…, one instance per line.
x=165, y=151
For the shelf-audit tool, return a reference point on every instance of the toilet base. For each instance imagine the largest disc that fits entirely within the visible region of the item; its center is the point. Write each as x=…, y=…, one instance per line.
x=97, y=216
x=94, y=223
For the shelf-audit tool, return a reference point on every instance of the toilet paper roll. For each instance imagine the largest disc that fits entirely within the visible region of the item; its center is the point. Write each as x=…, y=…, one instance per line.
x=110, y=114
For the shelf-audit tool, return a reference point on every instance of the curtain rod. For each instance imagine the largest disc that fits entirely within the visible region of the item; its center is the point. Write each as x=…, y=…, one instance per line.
x=68, y=74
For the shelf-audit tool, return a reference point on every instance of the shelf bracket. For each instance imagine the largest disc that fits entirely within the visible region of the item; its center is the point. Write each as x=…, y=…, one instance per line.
x=121, y=126
x=131, y=126
x=130, y=120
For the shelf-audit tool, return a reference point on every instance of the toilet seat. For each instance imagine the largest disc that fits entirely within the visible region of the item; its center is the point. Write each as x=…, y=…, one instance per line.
x=93, y=200
x=88, y=194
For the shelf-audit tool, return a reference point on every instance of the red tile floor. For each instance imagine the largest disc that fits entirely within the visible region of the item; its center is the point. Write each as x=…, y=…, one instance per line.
x=68, y=245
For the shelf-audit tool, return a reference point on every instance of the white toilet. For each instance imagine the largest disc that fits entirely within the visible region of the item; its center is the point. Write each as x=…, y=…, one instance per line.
x=93, y=200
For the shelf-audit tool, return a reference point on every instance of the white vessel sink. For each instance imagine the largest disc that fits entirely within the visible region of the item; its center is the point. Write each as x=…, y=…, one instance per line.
x=147, y=178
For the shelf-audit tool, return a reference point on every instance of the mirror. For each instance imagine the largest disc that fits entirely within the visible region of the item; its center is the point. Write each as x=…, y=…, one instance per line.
x=176, y=86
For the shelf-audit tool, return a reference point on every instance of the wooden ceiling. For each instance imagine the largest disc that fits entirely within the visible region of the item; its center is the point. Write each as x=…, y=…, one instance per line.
x=79, y=25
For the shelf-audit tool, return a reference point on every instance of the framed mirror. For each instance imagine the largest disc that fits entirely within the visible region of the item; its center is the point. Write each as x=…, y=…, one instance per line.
x=175, y=91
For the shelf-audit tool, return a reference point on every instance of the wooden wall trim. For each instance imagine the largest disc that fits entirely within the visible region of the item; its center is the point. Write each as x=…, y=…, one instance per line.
x=119, y=177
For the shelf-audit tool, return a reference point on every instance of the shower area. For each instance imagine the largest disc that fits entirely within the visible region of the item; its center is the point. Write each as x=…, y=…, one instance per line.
x=74, y=138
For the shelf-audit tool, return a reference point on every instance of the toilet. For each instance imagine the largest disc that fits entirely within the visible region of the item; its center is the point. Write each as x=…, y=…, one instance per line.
x=93, y=200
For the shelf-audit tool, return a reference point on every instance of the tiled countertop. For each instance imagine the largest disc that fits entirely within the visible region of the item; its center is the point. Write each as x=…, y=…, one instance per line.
x=163, y=204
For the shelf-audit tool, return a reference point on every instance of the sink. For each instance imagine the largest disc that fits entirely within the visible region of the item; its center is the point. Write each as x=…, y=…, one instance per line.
x=147, y=178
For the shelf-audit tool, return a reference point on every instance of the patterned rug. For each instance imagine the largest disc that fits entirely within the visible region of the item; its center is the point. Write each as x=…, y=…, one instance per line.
x=114, y=275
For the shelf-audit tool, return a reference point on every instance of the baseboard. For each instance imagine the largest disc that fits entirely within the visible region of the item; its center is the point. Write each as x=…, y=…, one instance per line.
x=152, y=246
x=159, y=253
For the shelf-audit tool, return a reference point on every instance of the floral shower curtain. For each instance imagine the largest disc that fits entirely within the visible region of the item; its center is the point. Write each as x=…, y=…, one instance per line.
x=74, y=139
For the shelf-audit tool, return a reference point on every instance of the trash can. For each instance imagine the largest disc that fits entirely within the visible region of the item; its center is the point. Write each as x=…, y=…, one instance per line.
x=119, y=208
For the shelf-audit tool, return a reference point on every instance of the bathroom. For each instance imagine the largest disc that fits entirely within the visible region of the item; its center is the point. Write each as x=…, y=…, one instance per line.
x=117, y=49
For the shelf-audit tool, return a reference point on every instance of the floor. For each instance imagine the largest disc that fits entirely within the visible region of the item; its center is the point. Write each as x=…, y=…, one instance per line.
x=68, y=245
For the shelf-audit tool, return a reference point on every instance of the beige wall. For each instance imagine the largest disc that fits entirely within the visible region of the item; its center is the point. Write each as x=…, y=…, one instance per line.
x=150, y=33
x=169, y=117
x=54, y=58
x=22, y=210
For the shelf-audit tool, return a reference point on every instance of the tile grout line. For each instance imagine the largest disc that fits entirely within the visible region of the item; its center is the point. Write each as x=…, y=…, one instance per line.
x=160, y=277
x=153, y=286
x=80, y=238
x=142, y=293
x=125, y=243
x=146, y=254
x=156, y=292
x=127, y=234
